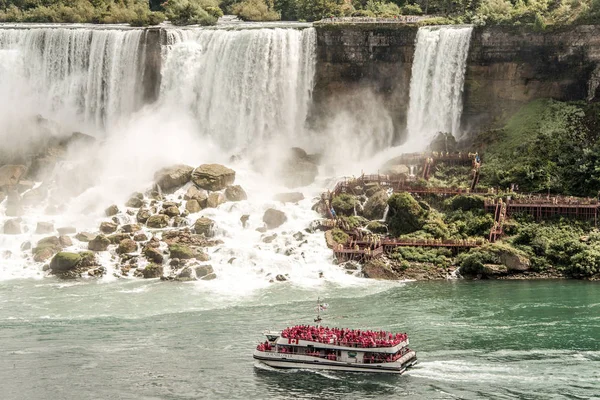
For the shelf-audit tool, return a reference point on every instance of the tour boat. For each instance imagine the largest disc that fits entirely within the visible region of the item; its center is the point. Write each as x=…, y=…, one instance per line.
x=318, y=347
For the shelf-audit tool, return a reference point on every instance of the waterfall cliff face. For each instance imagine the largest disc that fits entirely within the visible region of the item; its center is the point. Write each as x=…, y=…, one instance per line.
x=437, y=83
x=89, y=76
x=244, y=87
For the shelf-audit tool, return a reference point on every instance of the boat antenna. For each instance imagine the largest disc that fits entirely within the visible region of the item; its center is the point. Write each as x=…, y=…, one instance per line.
x=319, y=308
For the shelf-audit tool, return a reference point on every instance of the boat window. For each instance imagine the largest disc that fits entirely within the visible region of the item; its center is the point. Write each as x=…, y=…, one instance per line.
x=271, y=338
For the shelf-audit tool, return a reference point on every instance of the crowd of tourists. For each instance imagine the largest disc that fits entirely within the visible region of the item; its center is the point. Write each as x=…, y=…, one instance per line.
x=343, y=337
x=266, y=346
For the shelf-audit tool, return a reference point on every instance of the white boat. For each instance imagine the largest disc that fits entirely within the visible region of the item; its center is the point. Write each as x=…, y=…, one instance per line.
x=317, y=347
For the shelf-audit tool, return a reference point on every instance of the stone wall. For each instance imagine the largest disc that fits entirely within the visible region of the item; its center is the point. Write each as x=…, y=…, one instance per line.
x=507, y=67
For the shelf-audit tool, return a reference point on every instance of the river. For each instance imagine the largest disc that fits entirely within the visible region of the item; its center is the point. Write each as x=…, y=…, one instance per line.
x=134, y=339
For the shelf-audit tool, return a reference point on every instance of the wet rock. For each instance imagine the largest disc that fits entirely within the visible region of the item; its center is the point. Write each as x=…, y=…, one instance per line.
x=140, y=237
x=200, y=195
x=67, y=230
x=108, y=227
x=378, y=269
x=12, y=227
x=134, y=202
x=280, y=278
x=152, y=271
x=44, y=228
x=204, y=270
x=185, y=274
x=244, y=220
x=26, y=246
x=64, y=261
x=112, y=210
x=292, y=197
x=350, y=266
x=173, y=177
x=88, y=259
x=172, y=211
x=204, y=226
x=235, y=193
x=209, y=277
x=262, y=229
x=231, y=260
x=10, y=175
x=127, y=246
x=46, y=248
x=65, y=241
x=193, y=206
x=130, y=228
x=158, y=221
x=269, y=238
x=215, y=199
x=118, y=237
x=375, y=207
x=179, y=222
x=213, y=177
x=99, y=243
x=299, y=236
x=154, y=255
x=175, y=262
x=274, y=218
x=184, y=252
x=143, y=215
x=85, y=236
x=35, y=196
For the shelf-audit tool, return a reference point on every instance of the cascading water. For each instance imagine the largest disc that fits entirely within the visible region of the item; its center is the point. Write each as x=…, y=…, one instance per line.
x=437, y=81
x=245, y=88
x=88, y=76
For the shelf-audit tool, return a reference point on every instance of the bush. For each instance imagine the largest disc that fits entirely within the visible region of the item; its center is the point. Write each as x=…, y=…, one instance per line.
x=255, y=10
x=339, y=236
x=412, y=9
x=189, y=12
x=344, y=204
x=405, y=215
x=466, y=203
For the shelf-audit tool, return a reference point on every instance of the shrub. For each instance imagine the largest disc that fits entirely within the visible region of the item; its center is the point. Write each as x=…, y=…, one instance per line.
x=189, y=12
x=339, y=236
x=405, y=215
x=344, y=204
x=466, y=202
x=411, y=9
x=255, y=10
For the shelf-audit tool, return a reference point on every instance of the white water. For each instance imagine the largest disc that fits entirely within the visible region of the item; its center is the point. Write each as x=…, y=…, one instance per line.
x=82, y=77
x=437, y=83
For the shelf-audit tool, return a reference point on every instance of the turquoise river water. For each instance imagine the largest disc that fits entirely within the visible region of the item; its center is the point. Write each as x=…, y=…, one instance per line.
x=139, y=339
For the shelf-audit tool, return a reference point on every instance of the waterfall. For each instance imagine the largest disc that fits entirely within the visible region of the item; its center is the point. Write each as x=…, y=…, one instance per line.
x=244, y=88
x=82, y=75
x=436, y=86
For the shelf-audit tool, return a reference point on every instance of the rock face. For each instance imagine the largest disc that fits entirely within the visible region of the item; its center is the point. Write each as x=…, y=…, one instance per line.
x=274, y=218
x=173, y=177
x=235, y=193
x=213, y=177
x=12, y=227
x=204, y=226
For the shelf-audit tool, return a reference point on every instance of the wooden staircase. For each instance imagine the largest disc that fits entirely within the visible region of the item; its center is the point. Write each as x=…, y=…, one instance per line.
x=499, y=218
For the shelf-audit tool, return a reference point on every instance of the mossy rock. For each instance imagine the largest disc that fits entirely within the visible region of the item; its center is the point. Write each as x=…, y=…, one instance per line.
x=152, y=271
x=182, y=252
x=99, y=243
x=127, y=246
x=158, y=221
x=46, y=248
x=377, y=227
x=344, y=204
x=88, y=259
x=64, y=261
x=376, y=205
x=405, y=215
x=154, y=255
x=339, y=236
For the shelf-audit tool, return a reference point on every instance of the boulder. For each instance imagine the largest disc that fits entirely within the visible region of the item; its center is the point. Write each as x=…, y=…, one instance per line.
x=44, y=228
x=204, y=270
x=185, y=274
x=274, y=218
x=292, y=197
x=213, y=177
x=200, y=195
x=112, y=210
x=298, y=169
x=25, y=245
x=131, y=228
x=184, y=252
x=118, y=237
x=134, y=202
x=244, y=220
x=344, y=204
x=514, y=262
x=67, y=230
x=204, y=226
x=280, y=278
x=140, y=237
x=158, y=221
x=153, y=255
x=172, y=211
x=209, y=277
x=193, y=206
x=10, y=175
x=269, y=238
x=152, y=271
x=46, y=248
x=215, y=199
x=127, y=246
x=64, y=261
x=375, y=207
x=142, y=215
x=235, y=193
x=65, y=241
x=108, y=227
x=377, y=227
x=173, y=177
x=85, y=236
x=12, y=227
x=378, y=269
x=99, y=243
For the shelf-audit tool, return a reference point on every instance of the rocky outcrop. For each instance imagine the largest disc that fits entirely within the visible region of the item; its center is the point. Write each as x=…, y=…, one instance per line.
x=173, y=177
x=213, y=177
x=274, y=218
x=85, y=236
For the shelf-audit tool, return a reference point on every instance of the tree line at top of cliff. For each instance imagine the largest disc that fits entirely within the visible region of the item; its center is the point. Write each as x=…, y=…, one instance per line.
x=536, y=13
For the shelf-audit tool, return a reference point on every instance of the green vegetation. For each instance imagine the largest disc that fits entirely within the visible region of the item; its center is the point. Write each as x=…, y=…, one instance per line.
x=548, y=146
x=405, y=214
x=339, y=236
x=344, y=204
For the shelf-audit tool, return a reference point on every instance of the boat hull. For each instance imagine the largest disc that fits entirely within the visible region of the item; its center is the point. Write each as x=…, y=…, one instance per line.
x=321, y=364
